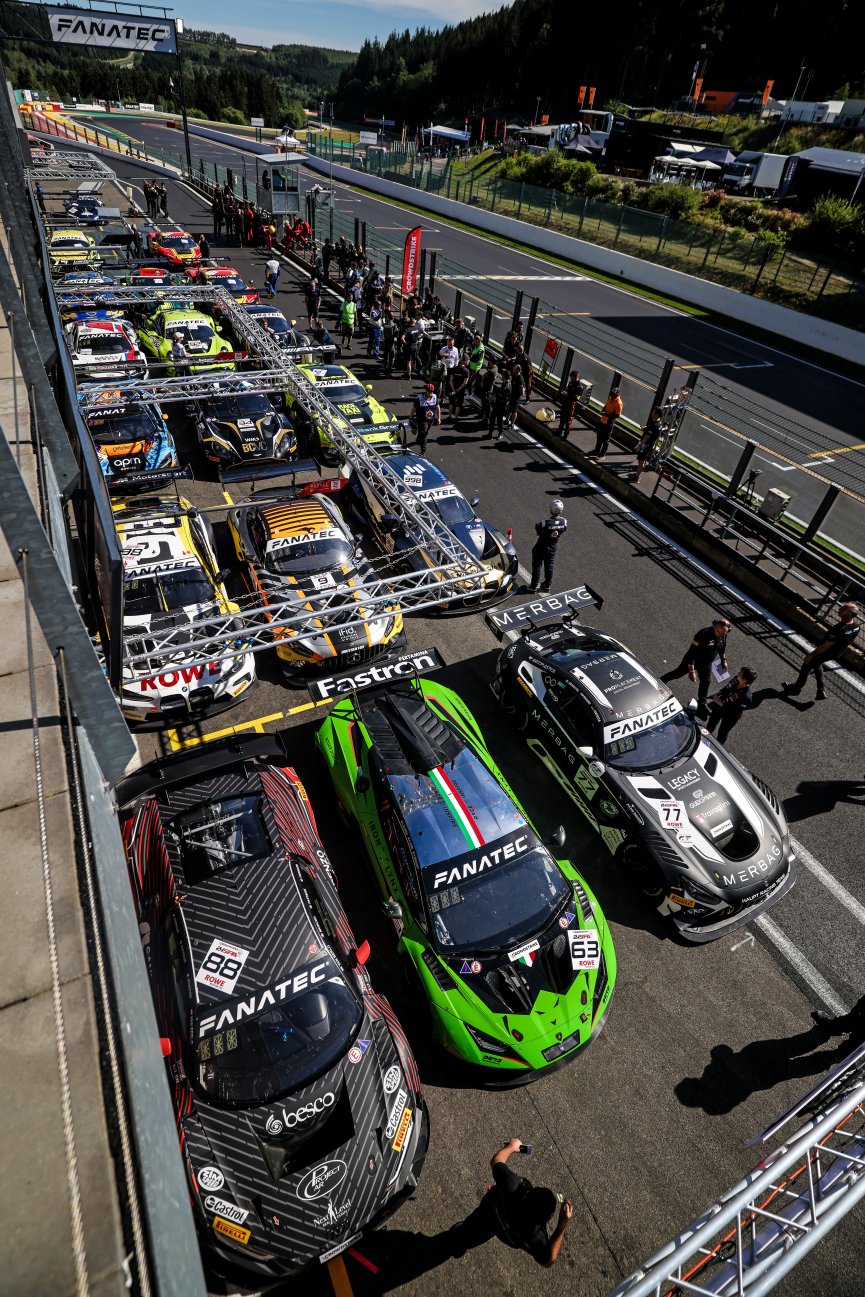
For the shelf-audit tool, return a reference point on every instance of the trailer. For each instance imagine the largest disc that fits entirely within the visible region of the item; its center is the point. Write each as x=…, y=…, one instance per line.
x=754, y=174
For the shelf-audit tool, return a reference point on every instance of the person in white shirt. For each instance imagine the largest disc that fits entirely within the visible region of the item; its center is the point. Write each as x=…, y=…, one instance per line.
x=450, y=355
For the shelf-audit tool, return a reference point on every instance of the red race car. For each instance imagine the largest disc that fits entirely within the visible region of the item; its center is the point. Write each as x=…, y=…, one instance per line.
x=174, y=245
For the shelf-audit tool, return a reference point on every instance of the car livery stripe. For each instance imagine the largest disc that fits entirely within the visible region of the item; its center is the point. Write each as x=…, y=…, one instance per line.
x=457, y=807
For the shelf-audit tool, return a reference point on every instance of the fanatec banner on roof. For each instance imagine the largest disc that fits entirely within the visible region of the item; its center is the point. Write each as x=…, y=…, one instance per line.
x=112, y=31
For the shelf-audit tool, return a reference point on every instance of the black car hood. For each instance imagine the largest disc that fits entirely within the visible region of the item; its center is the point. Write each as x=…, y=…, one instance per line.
x=313, y=1167
x=243, y=432
x=508, y=985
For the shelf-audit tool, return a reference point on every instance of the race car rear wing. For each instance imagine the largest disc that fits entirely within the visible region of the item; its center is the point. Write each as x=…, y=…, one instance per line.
x=147, y=477
x=525, y=617
x=289, y=490
x=177, y=768
x=375, y=675
x=261, y=469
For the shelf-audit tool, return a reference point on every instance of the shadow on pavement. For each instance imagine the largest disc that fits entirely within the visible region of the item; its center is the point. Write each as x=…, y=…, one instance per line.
x=819, y=796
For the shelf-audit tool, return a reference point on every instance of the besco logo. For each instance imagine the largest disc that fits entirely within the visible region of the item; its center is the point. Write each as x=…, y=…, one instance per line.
x=322, y=1179
x=276, y=1125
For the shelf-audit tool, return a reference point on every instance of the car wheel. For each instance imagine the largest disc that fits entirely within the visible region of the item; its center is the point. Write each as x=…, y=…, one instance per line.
x=511, y=705
x=645, y=873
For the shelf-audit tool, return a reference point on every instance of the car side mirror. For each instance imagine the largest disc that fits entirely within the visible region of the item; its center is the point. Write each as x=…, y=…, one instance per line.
x=586, y=751
x=557, y=839
x=165, y=1045
x=361, y=784
x=475, y=501
x=367, y=387
x=222, y=575
x=392, y=909
x=361, y=954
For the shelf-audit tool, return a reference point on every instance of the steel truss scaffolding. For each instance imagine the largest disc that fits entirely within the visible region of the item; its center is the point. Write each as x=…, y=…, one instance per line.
x=70, y=166
x=756, y=1233
x=450, y=572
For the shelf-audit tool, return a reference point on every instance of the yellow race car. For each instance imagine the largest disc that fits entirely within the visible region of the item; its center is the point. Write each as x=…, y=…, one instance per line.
x=297, y=551
x=171, y=578
x=354, y=401
x=72, y=248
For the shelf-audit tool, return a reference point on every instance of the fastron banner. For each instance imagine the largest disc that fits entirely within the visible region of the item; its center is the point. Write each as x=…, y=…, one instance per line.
x=411, y=261
x=112, y=31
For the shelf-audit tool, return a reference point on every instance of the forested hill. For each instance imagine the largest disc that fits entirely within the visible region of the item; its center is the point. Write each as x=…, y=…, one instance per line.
x=641, y=53
x=223, y=78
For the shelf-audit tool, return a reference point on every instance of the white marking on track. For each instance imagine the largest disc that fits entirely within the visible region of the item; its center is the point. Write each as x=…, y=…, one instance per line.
x=803, y=966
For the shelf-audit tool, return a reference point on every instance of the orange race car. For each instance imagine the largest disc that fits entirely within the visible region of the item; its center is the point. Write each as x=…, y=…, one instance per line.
x=174, y=245
x=228, y=278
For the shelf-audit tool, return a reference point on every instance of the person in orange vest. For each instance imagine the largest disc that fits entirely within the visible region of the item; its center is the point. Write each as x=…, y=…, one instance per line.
x=611, y=412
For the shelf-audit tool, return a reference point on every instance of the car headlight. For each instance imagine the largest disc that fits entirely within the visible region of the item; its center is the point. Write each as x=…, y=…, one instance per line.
x=485, y=1043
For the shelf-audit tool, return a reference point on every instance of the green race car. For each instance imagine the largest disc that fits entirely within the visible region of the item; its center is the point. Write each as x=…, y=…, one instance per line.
x=510, y=946
x=203, y=344
x=360, y=410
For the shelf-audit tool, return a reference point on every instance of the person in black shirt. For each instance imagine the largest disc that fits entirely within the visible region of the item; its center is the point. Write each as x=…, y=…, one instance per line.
x=425, y=412
x=708, y=644
x=727, y=705
x=570, y=395
x=500, y=399
x=517, y=1212
x=550, y=530
x=457, y=382
x=836, y=640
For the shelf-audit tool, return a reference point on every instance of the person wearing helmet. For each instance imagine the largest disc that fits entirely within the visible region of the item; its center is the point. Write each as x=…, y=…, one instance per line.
x=179, y=356
x=550, y=531
x=425, y=412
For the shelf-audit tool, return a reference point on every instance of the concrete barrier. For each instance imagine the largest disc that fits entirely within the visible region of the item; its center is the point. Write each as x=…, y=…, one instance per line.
x=834, y=339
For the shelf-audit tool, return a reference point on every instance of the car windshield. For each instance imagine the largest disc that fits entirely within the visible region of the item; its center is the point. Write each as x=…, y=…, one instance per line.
x=452, y=509
x=343, y=393
x=650, y=748
x=246, y=405
x=232, y=282
x=219, y=835
x=135, y=425
x=321, y=553
x=191, y=331
x=181, y=241
x=70, y=241
x=158, y=594
x=496, y=909
x=258, y=1059
x=104, y=344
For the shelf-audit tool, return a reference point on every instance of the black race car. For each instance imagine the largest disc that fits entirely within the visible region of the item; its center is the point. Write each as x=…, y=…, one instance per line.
x=705, y=839
x=242, y=432
x=298, y=1102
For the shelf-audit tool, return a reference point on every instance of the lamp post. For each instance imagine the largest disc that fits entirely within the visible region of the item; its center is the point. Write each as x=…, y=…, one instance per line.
x=331, y=170
x=178, y=27
x=537, y=110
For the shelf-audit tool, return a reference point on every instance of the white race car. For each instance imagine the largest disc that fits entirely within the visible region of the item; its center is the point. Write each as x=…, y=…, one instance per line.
x=171, y=579
x=105, y=349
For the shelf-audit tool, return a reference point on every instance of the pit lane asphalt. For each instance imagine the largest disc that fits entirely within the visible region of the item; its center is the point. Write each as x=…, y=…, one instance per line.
x=638, y=1147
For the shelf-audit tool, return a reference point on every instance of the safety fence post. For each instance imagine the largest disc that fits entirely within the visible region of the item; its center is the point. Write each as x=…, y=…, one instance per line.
x=583, y=214
x=488, y=324
x=518, y=306
x=520, y=204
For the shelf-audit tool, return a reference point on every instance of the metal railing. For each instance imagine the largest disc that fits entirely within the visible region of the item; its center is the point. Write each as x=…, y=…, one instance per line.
x=163, y=1254
x=754, y=1235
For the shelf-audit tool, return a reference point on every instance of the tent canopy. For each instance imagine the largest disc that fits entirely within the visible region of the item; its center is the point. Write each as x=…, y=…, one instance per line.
x=289, y=158
x=447, y=133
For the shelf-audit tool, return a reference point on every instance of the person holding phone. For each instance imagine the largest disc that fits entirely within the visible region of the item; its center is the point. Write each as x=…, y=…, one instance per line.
x=515, y=1211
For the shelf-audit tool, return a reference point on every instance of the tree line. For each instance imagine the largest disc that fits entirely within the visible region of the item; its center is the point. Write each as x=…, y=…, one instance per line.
x=532, y=57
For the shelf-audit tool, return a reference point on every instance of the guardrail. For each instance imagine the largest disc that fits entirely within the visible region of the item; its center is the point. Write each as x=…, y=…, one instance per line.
x=164, y=1254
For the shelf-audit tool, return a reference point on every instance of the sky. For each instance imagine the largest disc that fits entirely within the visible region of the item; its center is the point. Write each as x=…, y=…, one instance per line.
x=334, y=24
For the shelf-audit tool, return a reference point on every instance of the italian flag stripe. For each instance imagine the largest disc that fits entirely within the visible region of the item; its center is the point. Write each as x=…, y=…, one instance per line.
x=457, y=807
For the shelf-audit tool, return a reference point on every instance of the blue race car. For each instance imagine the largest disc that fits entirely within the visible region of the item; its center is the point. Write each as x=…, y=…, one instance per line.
x=420, y=479
x=83, y=208
x=133, y=441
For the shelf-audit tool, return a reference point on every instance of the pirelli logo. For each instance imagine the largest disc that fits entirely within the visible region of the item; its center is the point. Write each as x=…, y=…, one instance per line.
x=236, y=1233
x=402, y=1131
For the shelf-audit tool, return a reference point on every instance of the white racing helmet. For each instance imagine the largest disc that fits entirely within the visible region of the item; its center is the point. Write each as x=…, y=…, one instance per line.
x=556, y=509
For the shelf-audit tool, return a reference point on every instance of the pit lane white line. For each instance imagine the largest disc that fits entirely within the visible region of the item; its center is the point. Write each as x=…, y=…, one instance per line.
x=829, y=881
x=803, y=966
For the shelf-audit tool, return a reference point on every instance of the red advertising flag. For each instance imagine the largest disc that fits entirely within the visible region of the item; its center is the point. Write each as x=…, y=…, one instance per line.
x=545, y=119
x=496, y=131
x=767, y=92
x=483, y=120
x=410, y=261
x=698, y=86
x=581, y=97
x=591, y=95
